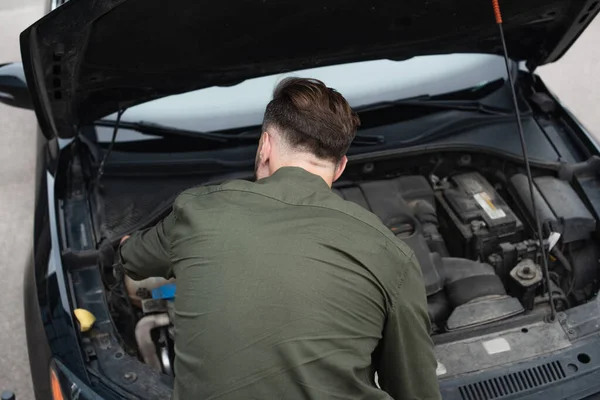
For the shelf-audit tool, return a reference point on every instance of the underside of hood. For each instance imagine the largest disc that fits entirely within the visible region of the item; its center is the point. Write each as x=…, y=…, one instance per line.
x=87, y=59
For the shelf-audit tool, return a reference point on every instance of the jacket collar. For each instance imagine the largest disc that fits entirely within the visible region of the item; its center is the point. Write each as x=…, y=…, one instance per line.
x=298, y=176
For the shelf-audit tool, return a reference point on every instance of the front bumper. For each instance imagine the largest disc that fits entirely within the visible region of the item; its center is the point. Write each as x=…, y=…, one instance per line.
x=572, y=373
x=545, y=360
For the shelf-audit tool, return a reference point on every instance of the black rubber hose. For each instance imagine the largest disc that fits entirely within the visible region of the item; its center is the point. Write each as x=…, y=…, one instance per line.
x=561, y=257
x=565, y=263
x=467, y=280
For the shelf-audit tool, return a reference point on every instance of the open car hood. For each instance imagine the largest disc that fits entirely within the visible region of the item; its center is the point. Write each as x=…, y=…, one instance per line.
x=87, y=59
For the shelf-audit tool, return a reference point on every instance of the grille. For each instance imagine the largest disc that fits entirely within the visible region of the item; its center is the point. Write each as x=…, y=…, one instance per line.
x=512, y=383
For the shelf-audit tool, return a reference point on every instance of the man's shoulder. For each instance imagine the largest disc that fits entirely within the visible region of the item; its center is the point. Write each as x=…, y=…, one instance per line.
x=365, y=216
x=201, y=191
x=325, y=200
x=367, y=220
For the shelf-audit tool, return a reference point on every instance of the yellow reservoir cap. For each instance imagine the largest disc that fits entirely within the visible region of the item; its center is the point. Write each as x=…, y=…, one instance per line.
x=85, y=318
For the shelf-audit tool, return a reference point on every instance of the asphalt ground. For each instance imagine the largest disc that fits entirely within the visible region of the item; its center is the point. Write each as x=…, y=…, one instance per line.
x=574, y=79
x=17, y=156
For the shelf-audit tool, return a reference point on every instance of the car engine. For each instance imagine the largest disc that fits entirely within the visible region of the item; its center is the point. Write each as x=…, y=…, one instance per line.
x=463, y=290
x=472, y=238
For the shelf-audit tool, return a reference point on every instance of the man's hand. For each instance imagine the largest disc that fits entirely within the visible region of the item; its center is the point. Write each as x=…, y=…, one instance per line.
x=147, y=253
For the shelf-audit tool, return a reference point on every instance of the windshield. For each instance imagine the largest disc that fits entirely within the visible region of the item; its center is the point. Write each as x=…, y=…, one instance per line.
x=243, y=105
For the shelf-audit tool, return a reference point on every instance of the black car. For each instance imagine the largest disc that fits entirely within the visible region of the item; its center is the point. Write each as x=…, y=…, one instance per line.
x=138, y=100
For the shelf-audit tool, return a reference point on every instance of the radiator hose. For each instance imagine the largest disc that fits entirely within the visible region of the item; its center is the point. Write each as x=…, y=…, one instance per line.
x=143, y=337
x=467, y=280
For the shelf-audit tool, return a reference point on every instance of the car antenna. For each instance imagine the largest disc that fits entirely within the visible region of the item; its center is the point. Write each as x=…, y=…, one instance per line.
x=498, y=15
x=110, y=146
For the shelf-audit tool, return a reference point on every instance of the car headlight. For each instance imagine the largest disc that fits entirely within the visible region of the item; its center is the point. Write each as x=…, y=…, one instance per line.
x=64, y=384
x=57, y=393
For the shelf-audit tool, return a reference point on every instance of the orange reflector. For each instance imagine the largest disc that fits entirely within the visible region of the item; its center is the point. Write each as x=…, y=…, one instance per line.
x=55, y=385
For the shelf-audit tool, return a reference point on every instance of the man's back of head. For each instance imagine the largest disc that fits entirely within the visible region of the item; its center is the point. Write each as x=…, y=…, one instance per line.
x=307, y=125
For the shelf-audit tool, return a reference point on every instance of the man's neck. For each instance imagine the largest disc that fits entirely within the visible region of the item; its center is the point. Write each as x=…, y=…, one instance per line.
x=315, y=167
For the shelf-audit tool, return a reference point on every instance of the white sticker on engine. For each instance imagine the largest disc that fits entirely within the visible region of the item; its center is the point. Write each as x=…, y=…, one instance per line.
x=441, y=369
x=553, y=239
x=495, y=346
x=484, y=201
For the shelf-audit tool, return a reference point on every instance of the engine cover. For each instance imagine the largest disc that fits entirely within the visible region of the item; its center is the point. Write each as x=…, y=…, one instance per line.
x=406, y=217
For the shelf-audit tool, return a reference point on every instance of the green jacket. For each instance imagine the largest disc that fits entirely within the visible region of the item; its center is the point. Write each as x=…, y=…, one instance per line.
x=286, y=291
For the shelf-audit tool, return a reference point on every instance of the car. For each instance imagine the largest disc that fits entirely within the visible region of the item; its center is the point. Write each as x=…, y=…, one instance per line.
x=139, y=100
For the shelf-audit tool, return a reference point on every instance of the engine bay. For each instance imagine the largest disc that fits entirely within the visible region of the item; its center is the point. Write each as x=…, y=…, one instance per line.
x=479, y=262
x=468, y=219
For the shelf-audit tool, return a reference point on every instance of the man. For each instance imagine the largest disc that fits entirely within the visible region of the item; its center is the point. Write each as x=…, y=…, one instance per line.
x=284, y=290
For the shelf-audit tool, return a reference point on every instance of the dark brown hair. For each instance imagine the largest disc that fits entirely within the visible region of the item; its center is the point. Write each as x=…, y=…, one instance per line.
x=313, y=117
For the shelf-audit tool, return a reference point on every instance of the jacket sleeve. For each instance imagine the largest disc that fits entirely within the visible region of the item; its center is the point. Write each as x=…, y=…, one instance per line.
x=147, y=253
x=407, y=363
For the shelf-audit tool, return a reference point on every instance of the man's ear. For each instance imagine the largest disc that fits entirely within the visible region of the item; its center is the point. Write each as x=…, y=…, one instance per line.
x=340, y=167
x=266, y=147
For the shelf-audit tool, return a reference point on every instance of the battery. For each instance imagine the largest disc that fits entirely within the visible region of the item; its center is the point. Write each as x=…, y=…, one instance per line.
x=473, y=218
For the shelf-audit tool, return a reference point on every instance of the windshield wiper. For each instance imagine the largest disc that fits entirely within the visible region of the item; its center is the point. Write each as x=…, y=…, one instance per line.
x=455, y=126
x=427, y=102
x=151, y=128
x=249, y=136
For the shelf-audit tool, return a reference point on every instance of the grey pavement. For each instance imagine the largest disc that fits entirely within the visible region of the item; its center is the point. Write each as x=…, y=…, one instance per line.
x=573, y=79
x=17, y=130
